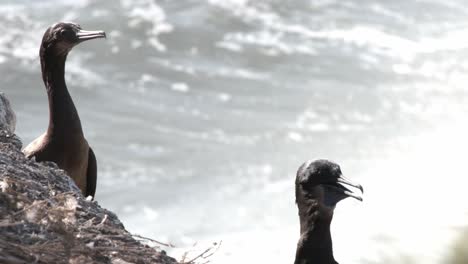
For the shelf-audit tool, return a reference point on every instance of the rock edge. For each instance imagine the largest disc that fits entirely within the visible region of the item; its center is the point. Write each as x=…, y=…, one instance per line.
x=44, y=218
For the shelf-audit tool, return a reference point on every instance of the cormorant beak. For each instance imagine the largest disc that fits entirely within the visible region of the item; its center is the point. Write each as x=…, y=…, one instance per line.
x=343, y=181
x=84, y=35
x=340, y=187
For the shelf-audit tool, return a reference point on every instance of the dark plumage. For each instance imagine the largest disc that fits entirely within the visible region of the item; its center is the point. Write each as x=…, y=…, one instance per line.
x=64, y=142
x=319, y=187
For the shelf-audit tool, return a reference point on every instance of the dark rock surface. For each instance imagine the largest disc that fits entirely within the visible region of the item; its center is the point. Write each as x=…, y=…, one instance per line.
x=7, y=115
x=45, y=219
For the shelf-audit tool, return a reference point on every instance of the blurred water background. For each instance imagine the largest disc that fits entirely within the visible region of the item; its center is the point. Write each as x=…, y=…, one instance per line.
x=200, y=112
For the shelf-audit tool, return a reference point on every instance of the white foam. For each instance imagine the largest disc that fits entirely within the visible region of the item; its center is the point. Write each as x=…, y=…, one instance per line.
x=141, y=12
x=241, y=73
x=150, y=214
x=224, y=97
x=295, y=136
x=180, y=87
x=229, y=46
x=279, y=35
x=22, y=40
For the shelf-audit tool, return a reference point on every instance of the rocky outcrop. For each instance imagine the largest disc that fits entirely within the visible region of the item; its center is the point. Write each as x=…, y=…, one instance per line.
x=45, y=219
x=7, y=115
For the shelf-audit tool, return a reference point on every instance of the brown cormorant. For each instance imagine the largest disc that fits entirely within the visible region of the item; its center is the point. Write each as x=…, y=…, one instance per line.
x=64, y=142
x=320, y=185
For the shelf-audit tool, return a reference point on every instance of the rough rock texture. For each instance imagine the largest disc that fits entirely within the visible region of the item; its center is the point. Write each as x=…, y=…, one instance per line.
x=45, y=219
x=7, y=115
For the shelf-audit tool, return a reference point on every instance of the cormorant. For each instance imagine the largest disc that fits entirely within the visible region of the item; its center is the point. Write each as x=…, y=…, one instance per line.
x=64, y=142
x=320, y=185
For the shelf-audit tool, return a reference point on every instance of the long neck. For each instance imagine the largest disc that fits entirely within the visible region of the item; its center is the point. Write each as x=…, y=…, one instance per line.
x=315, y=244
x=63, y=117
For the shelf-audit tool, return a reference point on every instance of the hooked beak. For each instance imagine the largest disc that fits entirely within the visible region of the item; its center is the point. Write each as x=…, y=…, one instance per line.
x=343, y=181
x=340, y=187
x=84, y=35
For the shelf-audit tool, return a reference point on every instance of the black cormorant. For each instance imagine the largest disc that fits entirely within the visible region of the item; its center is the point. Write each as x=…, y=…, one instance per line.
x=64, y=142
x=320, y=185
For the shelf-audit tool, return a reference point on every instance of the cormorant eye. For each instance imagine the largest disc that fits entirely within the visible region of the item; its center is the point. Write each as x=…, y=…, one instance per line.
x=66, y=33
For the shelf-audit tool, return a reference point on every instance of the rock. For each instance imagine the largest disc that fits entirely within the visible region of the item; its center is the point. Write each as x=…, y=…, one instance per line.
x=44, y=218
x=7, y=115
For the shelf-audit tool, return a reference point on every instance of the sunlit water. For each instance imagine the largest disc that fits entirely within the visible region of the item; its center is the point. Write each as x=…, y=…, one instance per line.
x=200, y=113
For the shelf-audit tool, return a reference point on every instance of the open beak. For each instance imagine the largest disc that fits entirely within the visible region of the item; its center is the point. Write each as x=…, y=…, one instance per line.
x=84, y=35
x=342, y=181
x=341, y=186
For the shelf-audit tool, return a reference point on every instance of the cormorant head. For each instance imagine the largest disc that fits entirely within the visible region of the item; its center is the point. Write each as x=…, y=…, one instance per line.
x=60, y=38
x=322, y=182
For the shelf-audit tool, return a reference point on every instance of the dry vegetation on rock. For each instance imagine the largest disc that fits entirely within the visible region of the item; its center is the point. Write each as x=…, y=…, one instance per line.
x=45, y=219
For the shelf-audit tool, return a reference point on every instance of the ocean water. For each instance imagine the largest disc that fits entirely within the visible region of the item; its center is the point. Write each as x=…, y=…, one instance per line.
x=200, y=113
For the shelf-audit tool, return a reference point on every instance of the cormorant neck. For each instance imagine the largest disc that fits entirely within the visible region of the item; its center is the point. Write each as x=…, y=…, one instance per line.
x=63, y=117
x=315, y=243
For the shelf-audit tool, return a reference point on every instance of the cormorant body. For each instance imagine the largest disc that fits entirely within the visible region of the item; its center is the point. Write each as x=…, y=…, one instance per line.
x=320, y=185
x=64, y=142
